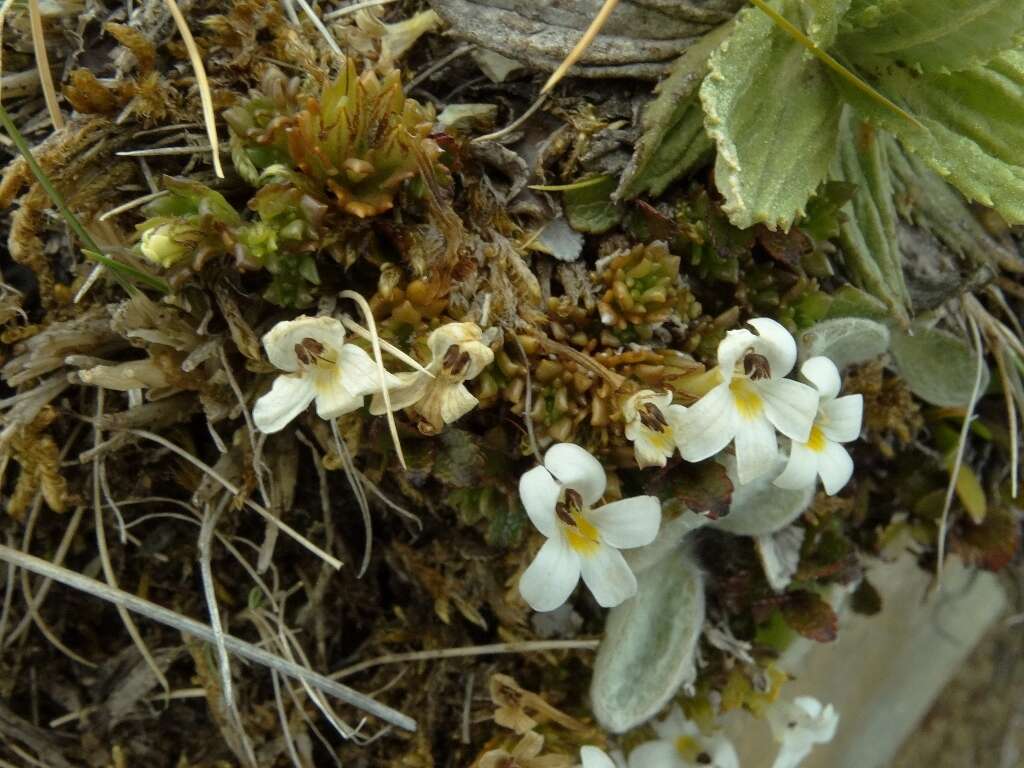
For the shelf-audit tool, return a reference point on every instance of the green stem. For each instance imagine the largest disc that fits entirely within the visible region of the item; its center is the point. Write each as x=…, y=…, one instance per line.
x=794, y=32
x=92, y=250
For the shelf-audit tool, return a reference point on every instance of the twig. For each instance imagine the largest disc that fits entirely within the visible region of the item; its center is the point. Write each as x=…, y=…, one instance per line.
x=35, y=20
x=203, y=632
x=580, y=48
x=205, y=97
x=531, y=646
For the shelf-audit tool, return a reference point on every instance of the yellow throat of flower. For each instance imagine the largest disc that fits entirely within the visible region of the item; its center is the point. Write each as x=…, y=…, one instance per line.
x=748, y=402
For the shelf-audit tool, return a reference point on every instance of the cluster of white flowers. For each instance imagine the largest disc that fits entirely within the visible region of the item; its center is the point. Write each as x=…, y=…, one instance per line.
x=750, y=402
x=796, y=726
x=319, y=365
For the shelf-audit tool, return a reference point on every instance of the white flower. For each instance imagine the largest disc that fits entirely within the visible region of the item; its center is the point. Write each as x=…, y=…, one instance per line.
x=319, y=366
x=652, y=423
x=592, y=757
x=559, y=498
x=838, y=421
x=457, y=355
x=798, y=725
x=680, y=744
x=751, y=401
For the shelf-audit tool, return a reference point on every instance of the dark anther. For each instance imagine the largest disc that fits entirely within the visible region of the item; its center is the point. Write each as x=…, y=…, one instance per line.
x=652, y=417
x=756, y=366
x=455, y=360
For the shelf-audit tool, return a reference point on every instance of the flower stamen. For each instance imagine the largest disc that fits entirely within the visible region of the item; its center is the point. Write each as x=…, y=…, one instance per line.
x=756, y=366
x=652, y=418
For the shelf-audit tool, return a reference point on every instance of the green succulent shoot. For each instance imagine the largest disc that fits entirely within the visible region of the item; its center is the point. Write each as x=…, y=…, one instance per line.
x=353, y=147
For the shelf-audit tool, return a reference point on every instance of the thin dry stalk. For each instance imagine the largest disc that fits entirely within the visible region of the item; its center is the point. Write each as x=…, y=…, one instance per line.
x=357, y=489
x=35, y=19
x=532, y=646
x=371, y=325
x=205, y=97
x=324, y=33
x=337, y=14
x=197, y=629
x=515, y=123
x=104, y=553
x=231, y=488
x=960, y=448
x=580, y=48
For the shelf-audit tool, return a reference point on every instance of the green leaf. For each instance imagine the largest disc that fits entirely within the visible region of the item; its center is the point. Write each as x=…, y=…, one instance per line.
x=849, y=301
x=821, y=19
x=674, y=141
x=939, y=367
x=649, y=642
x=972, y=127
x=932, y=35
x=773, y=112
x=927, y=201
x=845, y=341
x=868, y=235
x=760, y=508
x=589, y=208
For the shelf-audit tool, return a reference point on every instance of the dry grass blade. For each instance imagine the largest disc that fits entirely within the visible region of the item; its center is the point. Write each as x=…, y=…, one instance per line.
x=580, y=48
x=533, y=646
x=360, y=493
x=960, y=448
x=43, y=64
x=337, y=14
x=371, y=324
x=387, y=346
x=203, y=632
x=324, y=32
x=232, y=488
x=515, y=123
x=201, y=82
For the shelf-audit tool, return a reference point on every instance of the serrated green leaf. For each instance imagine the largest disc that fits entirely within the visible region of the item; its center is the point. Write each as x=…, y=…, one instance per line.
x=648, y=648
x=972, y=127
x=845, y=341
x=773, y=112
x=933, y=35
x=939, y=367
x=868, y=234
x=673, y=142
x=589, y=208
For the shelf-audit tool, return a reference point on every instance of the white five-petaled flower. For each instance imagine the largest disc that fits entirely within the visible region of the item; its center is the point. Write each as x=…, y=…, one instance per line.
x=457, y=355
x=751, y=401
x=653, y=425
x=680, y=744
x=798, y=725
x=559, y=497
x=593, y=757
x=838, y=421
x=318, y=365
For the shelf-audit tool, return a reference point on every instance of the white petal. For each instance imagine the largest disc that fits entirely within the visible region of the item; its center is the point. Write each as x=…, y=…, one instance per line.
x=280, y=341
x=835, y=467
x=628, y=523
x=824, y=375
x=648, y=449
x=722, y=752
x=791, y=755
x=539, y=492
x=707, y=426
x=801, y=469
x=776, y=343
x=842, y=418
x=333, y=398
x=574, y=468
x=456, y=402
x=732, y=348
x=411, y=387
x=756, y=449
x=608, y=576
x=450, y=334
x=552, y=576
x=288, y=397
x=675, y=725
x=655, y=754
x=593, y=757
x=789, y=405
x=360, y=371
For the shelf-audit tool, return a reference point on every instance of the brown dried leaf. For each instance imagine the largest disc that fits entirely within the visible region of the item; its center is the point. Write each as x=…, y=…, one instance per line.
x=136, y=42
x=809, y=615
